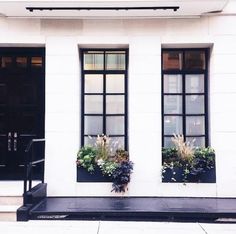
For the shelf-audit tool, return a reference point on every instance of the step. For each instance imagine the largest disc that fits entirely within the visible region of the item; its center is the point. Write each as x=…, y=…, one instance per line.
x=11, y=200
x=8, y=212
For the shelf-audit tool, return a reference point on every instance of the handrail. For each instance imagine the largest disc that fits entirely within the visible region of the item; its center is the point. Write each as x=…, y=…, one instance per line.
x=29, y=163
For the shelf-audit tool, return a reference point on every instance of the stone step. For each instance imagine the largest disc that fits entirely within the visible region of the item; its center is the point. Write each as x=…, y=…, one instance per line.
x=8, y=212
x=11, y=200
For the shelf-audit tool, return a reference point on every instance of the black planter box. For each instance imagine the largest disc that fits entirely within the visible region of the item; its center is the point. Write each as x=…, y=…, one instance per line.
x=176, y=175
x=84, y=176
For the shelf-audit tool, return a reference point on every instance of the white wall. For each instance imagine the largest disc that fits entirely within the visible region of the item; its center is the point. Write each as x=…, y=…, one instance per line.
x=144, y=38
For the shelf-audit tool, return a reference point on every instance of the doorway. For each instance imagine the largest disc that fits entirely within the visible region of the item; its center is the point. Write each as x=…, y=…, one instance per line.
x=22, y=106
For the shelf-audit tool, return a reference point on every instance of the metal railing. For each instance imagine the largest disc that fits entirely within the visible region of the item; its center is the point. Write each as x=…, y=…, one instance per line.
x=30, y=164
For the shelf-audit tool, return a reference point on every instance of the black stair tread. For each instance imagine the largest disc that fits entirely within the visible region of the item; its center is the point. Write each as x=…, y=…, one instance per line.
x=139, y=205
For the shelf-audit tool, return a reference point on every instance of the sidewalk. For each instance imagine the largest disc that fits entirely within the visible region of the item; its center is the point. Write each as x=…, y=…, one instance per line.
x=106, y=227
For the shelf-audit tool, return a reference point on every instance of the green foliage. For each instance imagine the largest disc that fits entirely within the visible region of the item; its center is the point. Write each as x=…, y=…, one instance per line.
x=117, y=165
x=203, y=159
x=86, y=158
x=108, y=167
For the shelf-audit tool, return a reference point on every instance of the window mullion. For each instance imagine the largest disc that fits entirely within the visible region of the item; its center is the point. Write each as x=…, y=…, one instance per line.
x=184, y=97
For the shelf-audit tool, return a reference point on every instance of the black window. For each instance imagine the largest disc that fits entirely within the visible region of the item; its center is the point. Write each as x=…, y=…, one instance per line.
x=184, y=95
x=104, y=95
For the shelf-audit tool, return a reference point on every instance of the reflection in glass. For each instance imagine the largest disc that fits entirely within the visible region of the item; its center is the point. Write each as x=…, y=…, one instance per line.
x=6, y=62
x=93, y=125
x=195, y=60
x=115, y=83
x=21, y=61
x=115, y=61
x=36, y=61
x=172, y=104
x=115, y=104
x=90, y=140
x=168, y=142
x=173, y=124
x=194, y=84
x=93, y=104
x=172, y=84
x=115, y=125
x=117, y=143
x=198, y=141
x=195, y=125
x=195, y=104
x=172, y=60
x=93, y=83
x=93, y=61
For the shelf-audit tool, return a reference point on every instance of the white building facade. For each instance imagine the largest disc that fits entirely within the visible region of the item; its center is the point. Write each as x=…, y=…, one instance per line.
x=143, y=36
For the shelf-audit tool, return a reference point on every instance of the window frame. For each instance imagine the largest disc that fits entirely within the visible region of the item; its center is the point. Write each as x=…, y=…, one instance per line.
x=104, y=72
x=183, y=72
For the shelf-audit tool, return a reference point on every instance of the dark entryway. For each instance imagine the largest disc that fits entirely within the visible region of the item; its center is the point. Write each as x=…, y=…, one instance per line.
x=22, y=106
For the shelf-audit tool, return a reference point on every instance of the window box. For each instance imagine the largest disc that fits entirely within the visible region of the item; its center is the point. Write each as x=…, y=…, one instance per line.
x=176, y=175
x=84, y=176
x=188, y=164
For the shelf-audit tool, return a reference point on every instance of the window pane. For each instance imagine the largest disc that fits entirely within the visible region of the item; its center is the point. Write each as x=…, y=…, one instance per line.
x=172, y=60
x=194, y=84
x=115, y=104
x=21, y=61
x=36, y=61
x=93, y=104
x=93, y=61
x=198, y=141
x=115, y=61
x=90, y=140
x=93, y=83
x=115, y=125
x=173, y=124
x=117, y=143
x=195, y=60
x=172, y=84
x=195, y=104
x=195, y=125
x=168, y=142
x=115, y=83
x=172, y=104
x=93, y=125
x=6, y=62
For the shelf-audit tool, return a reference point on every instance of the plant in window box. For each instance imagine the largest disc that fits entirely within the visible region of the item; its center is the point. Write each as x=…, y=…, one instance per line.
x=185, y=163
x=114, y=165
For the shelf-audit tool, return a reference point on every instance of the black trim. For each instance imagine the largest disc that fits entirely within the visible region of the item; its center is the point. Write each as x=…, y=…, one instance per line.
x=31, y=9
x=183, y=94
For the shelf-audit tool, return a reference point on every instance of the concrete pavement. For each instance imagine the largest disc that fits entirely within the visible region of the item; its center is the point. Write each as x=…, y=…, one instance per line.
x=108, y=227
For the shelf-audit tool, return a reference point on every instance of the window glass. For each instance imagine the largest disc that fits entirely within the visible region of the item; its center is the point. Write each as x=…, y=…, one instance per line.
x=115, y=104
x=194, y=104
x=93, y=125
x=115, y=83
x=173, y=124
x=172, y=83
x=195, y=125
x=173, y=104
x=115, y=125
x=36, y=61
x=7, y=61
x=115, y=61
x=194, y=83
x=93, y=83
x=195, y=60
x=197, y=141
x=172, y=60
x=21, y=61
x=94, y=61
x=93, y=104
